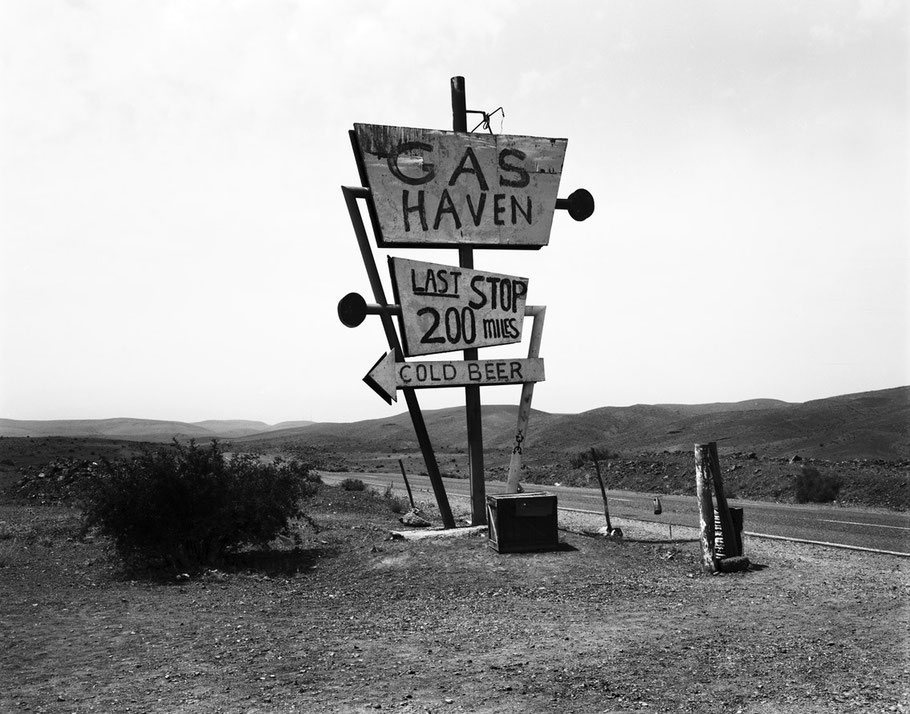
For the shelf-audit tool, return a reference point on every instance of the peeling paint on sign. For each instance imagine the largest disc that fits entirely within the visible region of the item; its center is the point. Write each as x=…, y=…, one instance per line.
x=451, y=189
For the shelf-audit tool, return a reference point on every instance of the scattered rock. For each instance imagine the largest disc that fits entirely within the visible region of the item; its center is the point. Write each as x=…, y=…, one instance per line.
x=60, y=480
x=415, y=518
x=612, y=533
x=733, y=564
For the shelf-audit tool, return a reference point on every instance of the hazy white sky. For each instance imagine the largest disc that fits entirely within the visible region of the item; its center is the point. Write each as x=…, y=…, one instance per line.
x=173, y=239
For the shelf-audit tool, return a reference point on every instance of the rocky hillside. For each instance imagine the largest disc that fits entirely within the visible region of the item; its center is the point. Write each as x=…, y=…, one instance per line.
x=870, y=425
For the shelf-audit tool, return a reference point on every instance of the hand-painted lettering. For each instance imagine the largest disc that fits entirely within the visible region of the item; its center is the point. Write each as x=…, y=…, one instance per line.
x=508, y=209
x=515, y=371
x=476, y=170
x=459, y=189
x=428, y=337
x=428, y=170
x=498, y=208
x=524, y=178
x=477, y=287
x=477, y=214
x=516, y=209
x=420, y=375
x=445, y=308
x=502, y=327
x=446, y=207
x=436, y=283
x=407, y=209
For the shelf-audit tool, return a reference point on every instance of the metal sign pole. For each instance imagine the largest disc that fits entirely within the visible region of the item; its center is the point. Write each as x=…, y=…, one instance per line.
x=472, y=393
x=420, y=429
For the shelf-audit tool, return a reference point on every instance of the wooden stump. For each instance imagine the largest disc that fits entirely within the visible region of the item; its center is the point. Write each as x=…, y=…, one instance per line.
x=705, y=506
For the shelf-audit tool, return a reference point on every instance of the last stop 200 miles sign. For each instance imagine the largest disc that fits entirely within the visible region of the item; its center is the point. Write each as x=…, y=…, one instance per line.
x=446, y=308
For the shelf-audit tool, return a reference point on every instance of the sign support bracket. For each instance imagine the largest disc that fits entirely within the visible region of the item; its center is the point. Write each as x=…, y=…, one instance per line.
x=538, y=312
x=420, y=428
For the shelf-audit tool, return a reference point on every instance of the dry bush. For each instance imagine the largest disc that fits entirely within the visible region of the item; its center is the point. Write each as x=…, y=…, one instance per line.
x=186, y=506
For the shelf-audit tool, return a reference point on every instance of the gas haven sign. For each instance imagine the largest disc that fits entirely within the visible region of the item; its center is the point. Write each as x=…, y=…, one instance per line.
x=449, y=189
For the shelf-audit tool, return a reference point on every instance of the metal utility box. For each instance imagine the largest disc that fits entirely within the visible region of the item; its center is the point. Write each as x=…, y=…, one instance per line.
x=522, y=522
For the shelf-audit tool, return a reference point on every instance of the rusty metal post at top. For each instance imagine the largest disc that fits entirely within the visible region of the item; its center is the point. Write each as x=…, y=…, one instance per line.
x=472, y=393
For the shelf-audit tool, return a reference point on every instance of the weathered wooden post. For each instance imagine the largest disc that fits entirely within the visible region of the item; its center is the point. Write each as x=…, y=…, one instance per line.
x=705, y=506
x=407, y=485
x=524, y=405
x=603, y=491
x=610, y=531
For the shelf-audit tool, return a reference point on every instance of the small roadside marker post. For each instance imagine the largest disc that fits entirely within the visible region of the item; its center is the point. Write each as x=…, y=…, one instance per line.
x=404, y=475
x=611, y=531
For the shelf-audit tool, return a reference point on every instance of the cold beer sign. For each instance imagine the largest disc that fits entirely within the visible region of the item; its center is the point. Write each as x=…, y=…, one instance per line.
x=445, y=308
x=388, y=376
x=449, y=189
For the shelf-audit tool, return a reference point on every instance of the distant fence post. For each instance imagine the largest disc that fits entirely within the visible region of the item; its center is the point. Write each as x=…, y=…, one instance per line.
x=407, y=485
x=603, y=491
x=705, y=506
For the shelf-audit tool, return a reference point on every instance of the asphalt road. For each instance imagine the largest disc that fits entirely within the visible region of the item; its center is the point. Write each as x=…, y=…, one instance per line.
x=846, y=527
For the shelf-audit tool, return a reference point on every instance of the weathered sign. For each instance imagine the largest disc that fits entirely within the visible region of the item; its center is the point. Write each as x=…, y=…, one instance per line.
x=387, y=376
x=446, y=308
x=445, y=189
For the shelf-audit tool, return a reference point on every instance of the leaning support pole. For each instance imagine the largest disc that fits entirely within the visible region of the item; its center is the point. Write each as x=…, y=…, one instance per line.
x=420, y=429
x=705, y=506
x=538, y=313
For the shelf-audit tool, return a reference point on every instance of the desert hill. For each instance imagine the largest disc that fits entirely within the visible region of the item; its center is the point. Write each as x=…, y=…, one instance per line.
x=152, y=430
x=868, y=425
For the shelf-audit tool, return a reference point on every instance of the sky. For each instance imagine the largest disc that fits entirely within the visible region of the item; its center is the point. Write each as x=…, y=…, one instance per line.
x=174, y=241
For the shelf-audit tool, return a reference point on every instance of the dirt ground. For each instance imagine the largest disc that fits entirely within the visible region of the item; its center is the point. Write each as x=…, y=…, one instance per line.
x=354, y=622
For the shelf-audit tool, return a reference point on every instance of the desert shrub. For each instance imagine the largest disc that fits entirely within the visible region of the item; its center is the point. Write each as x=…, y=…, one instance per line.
x=187, y=506
x=9, y=554
x=352, y=484
x=811, y=485
x=397, y=504
x=581, y=458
